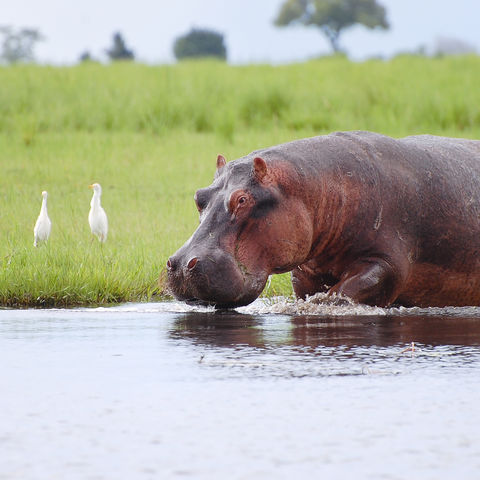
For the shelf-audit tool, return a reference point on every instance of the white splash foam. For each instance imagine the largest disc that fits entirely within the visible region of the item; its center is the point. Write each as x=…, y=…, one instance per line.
x=323, y=304
x=318, y=304
x=160, y=307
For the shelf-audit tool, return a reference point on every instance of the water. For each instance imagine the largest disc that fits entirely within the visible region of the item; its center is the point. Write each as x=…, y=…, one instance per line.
x=170, y=391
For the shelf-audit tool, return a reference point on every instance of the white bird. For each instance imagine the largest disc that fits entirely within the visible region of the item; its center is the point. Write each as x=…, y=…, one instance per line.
x=97, y=218
x=43, y=225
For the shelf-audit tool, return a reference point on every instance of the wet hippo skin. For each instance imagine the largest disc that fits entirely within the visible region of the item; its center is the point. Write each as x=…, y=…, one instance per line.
x=377, y=219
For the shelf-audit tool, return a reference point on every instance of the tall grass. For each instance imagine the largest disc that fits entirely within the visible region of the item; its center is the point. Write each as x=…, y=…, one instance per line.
x=150, y=136
x=408, y=94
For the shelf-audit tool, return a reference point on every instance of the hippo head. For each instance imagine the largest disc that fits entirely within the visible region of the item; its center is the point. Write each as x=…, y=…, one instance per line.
x=251, y=225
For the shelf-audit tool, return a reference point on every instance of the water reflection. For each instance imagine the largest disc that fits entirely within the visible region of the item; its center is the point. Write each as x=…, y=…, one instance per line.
x=233, y=330
x=219, y=328
x=283, y=346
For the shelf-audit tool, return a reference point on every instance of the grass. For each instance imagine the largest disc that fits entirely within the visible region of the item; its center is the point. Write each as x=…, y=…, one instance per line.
x=150, y=136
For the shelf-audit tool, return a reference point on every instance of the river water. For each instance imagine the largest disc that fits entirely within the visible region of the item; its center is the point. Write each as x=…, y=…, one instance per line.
x=275, y=390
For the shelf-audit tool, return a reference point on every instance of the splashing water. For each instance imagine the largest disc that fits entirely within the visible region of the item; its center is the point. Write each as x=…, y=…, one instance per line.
x=319, y=304
x=327, y=305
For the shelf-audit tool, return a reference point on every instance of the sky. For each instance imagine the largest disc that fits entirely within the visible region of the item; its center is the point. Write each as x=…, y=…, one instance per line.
x=150, y=27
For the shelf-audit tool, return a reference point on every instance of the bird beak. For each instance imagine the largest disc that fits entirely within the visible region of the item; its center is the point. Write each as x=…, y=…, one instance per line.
x=90, y=186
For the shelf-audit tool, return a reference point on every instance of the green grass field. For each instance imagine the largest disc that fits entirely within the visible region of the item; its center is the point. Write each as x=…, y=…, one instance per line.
x=150, y=136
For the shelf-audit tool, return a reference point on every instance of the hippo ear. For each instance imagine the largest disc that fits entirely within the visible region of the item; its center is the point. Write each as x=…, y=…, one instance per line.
x=259, y=168
x=221, y=162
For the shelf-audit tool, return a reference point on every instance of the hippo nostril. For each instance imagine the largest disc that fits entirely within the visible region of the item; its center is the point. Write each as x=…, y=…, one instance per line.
x=191, y=264
x=170, y=264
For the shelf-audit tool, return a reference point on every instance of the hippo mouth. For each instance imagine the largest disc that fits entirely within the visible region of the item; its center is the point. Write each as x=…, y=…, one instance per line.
x=196, y=302
x=213, y=282
x=198, y=294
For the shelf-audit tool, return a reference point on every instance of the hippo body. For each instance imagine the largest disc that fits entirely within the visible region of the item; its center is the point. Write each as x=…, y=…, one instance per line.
x=380, y=220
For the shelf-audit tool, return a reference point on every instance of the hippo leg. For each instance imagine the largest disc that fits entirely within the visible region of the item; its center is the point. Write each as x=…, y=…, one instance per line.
x=306, y=282
x=372, y=281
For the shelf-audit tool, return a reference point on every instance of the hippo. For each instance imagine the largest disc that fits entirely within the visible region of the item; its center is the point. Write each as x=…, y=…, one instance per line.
x=380, y=220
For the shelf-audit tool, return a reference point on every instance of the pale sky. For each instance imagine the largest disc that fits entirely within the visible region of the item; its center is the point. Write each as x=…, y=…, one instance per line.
x=149, y=28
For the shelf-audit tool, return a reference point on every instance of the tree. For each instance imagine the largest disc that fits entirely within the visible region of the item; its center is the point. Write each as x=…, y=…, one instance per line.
x=119, y=50
x=86, y=57
x=332, y=16
x=17, y=45
x=200, y=43
x=452, y=46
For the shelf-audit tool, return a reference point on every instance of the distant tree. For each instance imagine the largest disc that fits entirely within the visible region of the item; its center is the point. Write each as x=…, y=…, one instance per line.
x=200, y=43
x=86, y=57
x=119, y=50
x=332, y=16
x=17, y=45
x=452, y=46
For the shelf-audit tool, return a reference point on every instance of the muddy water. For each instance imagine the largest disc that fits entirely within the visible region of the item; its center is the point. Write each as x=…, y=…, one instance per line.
x=278, y=390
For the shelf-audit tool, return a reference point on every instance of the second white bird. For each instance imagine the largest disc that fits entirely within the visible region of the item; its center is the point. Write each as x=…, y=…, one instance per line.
x=43, y=225
x=97, y=218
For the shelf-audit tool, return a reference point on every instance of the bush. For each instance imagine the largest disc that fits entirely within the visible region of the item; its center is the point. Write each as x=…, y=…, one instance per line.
x=198, y=44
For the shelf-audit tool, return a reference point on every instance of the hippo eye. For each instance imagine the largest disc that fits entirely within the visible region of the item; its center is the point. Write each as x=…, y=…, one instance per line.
x=238, y=199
